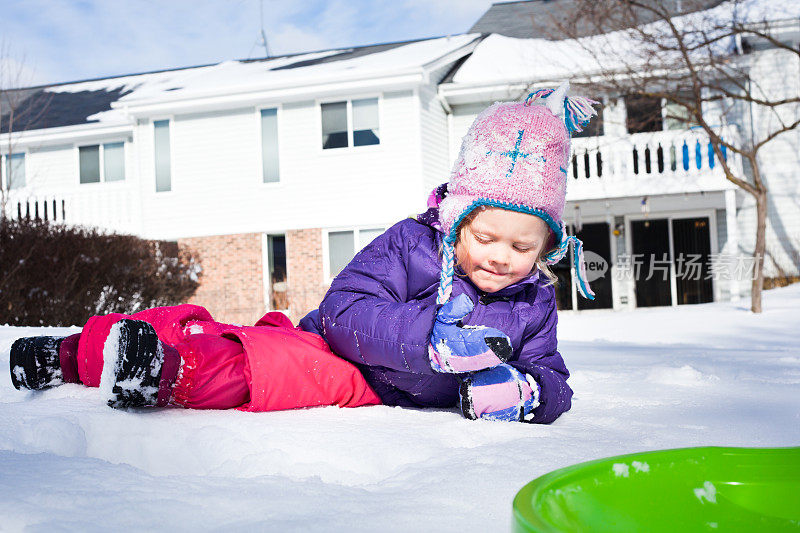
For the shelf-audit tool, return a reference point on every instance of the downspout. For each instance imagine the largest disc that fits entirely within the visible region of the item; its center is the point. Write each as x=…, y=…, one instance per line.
x=449, y=112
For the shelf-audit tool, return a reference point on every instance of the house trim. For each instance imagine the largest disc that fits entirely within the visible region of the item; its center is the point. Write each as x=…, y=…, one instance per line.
x=82, y=134
x=364, y=83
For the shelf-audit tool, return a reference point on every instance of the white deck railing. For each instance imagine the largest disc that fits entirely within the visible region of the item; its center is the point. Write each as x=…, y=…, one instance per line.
x=116, y=209
x=647, y=163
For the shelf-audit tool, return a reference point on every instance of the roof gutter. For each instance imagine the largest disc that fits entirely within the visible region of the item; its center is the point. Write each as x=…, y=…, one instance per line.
x=458, y=94
x=64, y=135
x=262, y=96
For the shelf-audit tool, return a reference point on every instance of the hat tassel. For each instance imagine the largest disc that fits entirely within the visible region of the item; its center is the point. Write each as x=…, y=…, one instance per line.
x=448, y=270
x=580, y=269
x=576, y=111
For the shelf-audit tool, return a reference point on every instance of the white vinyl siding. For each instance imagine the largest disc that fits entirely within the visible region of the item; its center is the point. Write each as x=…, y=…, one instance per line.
x=434, y=134
x=777, y=74
x=217, y=171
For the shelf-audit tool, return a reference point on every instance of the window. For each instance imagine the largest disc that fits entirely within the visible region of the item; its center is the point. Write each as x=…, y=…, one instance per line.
x=365, y=122
x=162, y=156
x=334, y=125
x=114, y=161
x=644, y=114
x=677, y=116
x=269, y=145
x=15, y=171
x=342, y=246
x=276, y=263
x=112, y=168
x=341, y=249
x=89, y=163
x=350, y=123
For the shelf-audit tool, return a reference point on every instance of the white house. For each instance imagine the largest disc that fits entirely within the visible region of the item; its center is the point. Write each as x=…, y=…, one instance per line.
x=645, y=192
x=277, y=171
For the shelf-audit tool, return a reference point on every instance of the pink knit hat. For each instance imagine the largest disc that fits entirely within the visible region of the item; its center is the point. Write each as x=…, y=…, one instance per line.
x=515, y=156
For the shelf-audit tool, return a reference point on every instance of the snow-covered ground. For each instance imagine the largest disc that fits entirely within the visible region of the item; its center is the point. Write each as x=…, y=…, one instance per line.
x=709, y=374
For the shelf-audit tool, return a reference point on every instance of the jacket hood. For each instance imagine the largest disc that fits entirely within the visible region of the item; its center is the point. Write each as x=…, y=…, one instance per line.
x=431, y=216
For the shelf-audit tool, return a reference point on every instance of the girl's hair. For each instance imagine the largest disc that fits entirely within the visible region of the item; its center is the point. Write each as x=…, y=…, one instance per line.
x=540, y=262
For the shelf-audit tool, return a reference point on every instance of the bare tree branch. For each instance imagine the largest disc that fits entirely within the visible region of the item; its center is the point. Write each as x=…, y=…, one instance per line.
x=695, y=61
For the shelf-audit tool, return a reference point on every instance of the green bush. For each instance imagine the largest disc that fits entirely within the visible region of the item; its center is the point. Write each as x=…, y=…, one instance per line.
x=57, y=275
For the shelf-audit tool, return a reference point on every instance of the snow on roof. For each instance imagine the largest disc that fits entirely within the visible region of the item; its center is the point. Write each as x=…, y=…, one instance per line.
x=295, y=70
x=102, y=101
x=500, y=59
x=540, y=19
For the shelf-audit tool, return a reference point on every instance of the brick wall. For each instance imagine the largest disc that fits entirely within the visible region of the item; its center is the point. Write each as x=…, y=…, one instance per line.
x=231, y=286
x=305, y=275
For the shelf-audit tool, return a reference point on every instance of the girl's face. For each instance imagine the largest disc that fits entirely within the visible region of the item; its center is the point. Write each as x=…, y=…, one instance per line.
x=500, y=247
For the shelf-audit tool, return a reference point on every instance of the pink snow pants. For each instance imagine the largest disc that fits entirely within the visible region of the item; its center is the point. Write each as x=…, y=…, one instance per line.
x=269, y=366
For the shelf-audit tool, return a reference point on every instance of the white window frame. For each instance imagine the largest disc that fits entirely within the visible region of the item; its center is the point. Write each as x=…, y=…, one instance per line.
x=350, y=146
x=357, y=246
x=152, y=173
x=265, y=274
x=4, y=169
x=259, y=173
x=671, y=215
x=102, y=144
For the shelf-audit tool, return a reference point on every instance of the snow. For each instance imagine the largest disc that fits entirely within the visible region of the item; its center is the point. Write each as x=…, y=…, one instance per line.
x=658, y=378
x=110, y=351
x=499, y=59
x=708, y=492
x=232, y=77
x=621, y=469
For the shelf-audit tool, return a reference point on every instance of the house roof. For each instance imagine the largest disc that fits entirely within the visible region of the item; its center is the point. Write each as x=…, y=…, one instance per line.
x=541, y=18
x=503, y=61
x=101, y=100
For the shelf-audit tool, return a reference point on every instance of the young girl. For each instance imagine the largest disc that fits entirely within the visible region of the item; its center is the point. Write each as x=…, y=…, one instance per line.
x=455, y=307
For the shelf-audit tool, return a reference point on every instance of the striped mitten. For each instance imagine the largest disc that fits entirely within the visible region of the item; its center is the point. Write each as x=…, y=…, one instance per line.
x=456, y=348
x=499, y=393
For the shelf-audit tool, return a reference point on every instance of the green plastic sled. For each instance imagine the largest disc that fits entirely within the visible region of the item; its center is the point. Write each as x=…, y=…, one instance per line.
x=684, y=490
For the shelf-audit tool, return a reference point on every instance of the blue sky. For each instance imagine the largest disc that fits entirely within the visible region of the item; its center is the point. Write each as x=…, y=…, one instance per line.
x=47, y=41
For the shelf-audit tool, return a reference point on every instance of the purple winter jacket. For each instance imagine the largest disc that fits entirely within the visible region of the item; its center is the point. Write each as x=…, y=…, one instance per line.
x=379, y=313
